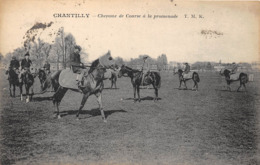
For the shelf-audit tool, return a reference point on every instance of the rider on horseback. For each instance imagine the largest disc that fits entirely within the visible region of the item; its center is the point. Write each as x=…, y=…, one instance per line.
x=146, y=71
x=25, y=64
x=14, y=65
x=76, y=64
x=233, y=69
x=186, y=69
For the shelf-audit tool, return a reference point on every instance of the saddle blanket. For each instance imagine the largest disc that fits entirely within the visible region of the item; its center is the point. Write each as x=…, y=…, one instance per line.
x=188, y=75
x=234, y=76
x=68, y=79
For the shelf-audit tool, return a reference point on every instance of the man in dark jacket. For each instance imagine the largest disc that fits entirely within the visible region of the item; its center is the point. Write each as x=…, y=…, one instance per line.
x=76, y=64
x=14, y=65
x=25, y=64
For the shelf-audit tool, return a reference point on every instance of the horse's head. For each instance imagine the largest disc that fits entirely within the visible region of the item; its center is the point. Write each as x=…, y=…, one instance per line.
x=41, y=74
x=107, y=61
x=224, y=72
x=179, y=72
x=122, y=71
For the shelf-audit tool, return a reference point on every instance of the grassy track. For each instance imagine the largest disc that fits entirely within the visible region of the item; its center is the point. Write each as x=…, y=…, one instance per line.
x=211, y=126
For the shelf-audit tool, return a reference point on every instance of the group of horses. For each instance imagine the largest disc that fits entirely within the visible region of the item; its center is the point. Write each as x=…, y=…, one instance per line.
x=92, y=82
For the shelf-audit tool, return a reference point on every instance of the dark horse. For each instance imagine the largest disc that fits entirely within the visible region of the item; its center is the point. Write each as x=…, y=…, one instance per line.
x=13, y=82
x=243, y=78
x=42, y=76
x=28, y=80
x=92, y=83
x=153, y=78
x=195, y=77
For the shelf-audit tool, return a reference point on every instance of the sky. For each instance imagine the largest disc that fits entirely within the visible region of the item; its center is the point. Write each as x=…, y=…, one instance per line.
x=228, y=31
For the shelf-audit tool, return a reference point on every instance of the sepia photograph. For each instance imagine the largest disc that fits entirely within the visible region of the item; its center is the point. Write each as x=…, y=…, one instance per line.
x=131, y=82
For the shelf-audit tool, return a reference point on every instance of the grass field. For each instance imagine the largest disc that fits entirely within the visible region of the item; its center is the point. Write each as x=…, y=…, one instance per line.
x=210, y=126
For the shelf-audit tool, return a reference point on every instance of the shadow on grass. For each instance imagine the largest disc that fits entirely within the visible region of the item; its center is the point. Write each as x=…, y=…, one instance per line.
x=112, y=88
x=41, y=98
x=92, y=112
x=185, y=89
x=144, y=98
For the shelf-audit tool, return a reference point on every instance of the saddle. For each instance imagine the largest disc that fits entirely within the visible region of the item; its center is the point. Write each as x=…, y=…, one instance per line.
x=68, y=79
x=187, y=75
x=234, y=76
x=147, y=79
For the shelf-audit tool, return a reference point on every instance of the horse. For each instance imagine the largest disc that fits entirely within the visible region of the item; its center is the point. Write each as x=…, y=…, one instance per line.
x=136, y=76
x=28, y=80
x=42, y=76
x=13, y=82
x=243, y=78
x=112, y=76
x=92, y=84
x=195, y=78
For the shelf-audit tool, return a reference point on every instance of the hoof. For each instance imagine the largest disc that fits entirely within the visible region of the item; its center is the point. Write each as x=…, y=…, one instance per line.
x=139, y=100
x=59, y=117
x=105, y=121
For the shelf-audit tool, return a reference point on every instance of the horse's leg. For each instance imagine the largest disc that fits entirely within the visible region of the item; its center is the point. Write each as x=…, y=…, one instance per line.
x=180, y=84
x=185, y=84
x=27, y=93
x=134, y=87
x=245, y=86
x=10, y=89
x=115, y=84
x=83, y=101
x=138, y=93
x=155, y=93
x=21, y=91
x=99, y=99
x=57, y=97
x=112, y=83
x=229, y=88
x=239, y=87
x=32, y=93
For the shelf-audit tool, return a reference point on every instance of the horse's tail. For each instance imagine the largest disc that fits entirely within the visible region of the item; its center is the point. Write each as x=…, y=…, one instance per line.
x=196, y=77
x=51, y=80
x=158, y=79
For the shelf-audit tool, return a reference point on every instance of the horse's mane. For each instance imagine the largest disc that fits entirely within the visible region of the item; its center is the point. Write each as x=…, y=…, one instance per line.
x=133, y=70
x=93, y=65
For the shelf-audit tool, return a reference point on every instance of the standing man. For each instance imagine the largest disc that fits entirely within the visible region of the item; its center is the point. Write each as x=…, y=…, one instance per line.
x=14, y=65
x=25, y=64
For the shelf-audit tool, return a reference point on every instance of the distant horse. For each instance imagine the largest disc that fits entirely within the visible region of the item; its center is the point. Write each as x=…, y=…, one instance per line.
x=42, y=76
x=28, y=80
x=242, y=78
x=194, y=77
x=112, y=76
x=153, y=78
x=13, y=82
x=92, y=83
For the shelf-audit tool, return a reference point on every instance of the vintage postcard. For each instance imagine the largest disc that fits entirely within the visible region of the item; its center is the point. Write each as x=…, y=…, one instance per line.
x=129, y=82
